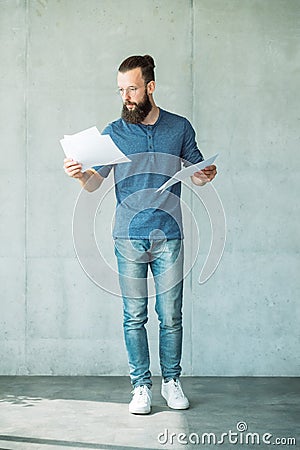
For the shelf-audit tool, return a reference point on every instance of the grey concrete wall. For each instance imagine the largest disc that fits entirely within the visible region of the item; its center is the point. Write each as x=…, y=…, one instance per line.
x=231, y=67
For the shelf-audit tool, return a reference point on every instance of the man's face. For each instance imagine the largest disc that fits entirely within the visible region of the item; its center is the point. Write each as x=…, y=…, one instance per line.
x=136, y=102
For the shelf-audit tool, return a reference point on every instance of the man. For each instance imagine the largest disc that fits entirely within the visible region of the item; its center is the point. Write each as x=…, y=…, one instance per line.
x=148, y=225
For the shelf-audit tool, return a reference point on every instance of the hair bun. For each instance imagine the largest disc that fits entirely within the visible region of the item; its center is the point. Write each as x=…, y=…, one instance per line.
x=149, y=60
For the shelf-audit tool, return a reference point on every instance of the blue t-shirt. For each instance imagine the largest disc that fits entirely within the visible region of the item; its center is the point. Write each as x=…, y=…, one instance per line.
x=157, y=153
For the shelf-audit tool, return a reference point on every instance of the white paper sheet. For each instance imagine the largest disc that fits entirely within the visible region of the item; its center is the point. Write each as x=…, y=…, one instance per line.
x=90, y=148
x=186, y=172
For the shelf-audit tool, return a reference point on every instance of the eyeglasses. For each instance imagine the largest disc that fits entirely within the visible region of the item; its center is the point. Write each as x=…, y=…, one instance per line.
x=131, y=90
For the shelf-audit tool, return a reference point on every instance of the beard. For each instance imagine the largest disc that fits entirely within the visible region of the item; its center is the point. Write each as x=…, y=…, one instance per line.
x=139, y=113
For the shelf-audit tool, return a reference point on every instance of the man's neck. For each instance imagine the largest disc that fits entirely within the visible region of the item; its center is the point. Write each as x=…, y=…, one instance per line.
x=152, y=116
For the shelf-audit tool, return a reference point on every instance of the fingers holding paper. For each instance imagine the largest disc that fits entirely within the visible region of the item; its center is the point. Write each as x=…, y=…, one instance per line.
x=73, y=168
x=205, y=175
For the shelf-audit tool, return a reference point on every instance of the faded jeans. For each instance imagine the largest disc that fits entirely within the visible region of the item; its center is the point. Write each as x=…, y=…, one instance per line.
x=165, y=258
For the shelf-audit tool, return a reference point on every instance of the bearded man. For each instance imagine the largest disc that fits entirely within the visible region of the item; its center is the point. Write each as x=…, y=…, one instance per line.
x=148, y=225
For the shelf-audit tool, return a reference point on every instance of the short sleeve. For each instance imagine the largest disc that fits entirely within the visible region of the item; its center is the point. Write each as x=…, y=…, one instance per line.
x=190, y=152
x=104, y=171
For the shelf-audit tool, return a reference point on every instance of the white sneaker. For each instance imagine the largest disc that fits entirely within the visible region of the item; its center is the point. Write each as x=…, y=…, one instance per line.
x=172, y=392
x=141, y=400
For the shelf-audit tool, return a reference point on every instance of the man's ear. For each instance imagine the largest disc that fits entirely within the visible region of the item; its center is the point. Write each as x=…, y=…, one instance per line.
x=151, y=87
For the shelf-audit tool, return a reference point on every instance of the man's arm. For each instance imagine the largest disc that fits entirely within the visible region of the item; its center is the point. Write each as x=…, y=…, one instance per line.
x=192, y=154
x=90, y=180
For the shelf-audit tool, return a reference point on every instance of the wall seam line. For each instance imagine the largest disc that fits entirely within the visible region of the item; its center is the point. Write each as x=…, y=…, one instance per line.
x=26, y=183
x=191, y=193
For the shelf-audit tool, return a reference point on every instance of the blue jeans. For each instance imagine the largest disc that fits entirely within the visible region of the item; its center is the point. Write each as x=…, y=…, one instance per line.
x=165, y=258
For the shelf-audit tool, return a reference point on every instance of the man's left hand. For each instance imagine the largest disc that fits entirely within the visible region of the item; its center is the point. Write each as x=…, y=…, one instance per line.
x=205, y=175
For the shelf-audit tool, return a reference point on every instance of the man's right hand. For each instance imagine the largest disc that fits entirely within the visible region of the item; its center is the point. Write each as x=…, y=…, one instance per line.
x=73, y=168
x=90, y=180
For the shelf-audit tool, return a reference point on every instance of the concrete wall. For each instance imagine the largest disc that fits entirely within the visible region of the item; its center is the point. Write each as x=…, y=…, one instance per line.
x=231, y=67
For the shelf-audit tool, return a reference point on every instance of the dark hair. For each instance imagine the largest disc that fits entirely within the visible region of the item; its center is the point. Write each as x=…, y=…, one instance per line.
x=146, y=63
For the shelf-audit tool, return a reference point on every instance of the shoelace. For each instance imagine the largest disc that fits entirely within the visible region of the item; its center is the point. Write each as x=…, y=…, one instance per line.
x=141, y=393
x=178, y=389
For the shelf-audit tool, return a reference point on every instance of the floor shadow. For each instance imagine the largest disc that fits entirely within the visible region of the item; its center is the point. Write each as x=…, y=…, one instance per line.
x=63, y=443
x=29, y=390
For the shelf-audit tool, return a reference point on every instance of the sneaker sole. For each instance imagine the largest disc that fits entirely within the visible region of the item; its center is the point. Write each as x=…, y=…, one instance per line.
x=186, y=406
x=178, y=407
x=141, y=411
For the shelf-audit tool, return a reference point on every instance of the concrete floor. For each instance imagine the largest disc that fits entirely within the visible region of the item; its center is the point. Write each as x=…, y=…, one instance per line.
x=92, y=413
